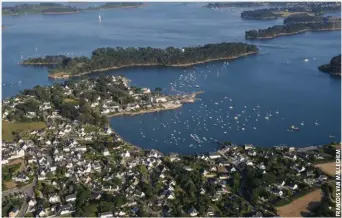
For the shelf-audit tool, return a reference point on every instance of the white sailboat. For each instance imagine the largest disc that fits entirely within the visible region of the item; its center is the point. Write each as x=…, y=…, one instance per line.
x=100, y=18
x=267, y=117
x=316, y=123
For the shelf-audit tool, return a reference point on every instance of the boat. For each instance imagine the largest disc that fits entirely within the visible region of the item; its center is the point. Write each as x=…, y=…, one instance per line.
x=302, y=123
x=294, y=128
x=306, y=60
x=277, y=112
x=331, y=136
x=197, y=86
x=316, y=123
x=267, y=117
x=100, y=19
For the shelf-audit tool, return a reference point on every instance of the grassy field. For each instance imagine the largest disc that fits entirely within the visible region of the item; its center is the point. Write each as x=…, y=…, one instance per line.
x=286, y=13
x=328, y=168
x=70, y=100
x=23, y=129
x=301, y=205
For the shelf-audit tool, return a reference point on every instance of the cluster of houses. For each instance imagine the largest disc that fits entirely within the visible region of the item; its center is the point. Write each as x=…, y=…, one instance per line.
x=62, y=150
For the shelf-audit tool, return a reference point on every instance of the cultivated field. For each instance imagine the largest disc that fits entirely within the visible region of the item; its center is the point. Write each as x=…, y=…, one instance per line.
x=23, y=129
x=328, y=168
x=301, y=205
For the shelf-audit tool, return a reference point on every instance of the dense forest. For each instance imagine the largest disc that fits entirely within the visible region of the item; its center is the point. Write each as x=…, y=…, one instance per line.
x=274, y=13
x=334, y=67
x=112, y=58
x=288, y=29
x=304, y=18
x=260, y=14
x=47, y=60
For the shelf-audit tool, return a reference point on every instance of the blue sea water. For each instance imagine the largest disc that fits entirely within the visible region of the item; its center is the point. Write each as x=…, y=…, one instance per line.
x=277, y=79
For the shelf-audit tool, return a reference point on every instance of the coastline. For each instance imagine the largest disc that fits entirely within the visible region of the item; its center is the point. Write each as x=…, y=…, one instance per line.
x=172, y=106
x=62, y=75
x=59, y=13
x=37, y=63
x=145, y=111
x=294, y=33
x=75, y=12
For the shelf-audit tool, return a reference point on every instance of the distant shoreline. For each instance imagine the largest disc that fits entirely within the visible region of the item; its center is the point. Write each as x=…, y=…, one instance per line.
x=294, y=33
x=62, y=75
x=79, y=10
x=59, y=13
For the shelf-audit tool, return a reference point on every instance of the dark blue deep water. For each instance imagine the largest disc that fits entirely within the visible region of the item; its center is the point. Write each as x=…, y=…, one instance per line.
x=277, y=79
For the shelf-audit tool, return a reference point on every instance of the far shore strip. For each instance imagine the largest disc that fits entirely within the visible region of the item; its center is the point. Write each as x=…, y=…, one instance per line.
x=294, y=33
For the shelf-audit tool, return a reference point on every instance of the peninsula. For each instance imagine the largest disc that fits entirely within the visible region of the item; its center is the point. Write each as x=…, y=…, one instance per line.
x=295, y=25
x=318, y=8
x=57, y=8
x=69, y=162
x=104, y=59
x=334, y=67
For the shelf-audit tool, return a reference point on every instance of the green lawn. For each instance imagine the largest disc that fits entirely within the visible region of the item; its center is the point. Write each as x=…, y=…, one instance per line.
x=23, y=128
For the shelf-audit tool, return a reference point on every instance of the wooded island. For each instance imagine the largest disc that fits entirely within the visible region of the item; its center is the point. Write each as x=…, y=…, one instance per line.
x=103, y=59
x=334, y=67
x=290, y=29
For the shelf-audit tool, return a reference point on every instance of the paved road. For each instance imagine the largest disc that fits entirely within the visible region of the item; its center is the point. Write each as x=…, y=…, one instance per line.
x=27, y=191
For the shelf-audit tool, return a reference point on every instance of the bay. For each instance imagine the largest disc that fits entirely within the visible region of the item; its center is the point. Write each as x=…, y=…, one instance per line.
x=276, y=79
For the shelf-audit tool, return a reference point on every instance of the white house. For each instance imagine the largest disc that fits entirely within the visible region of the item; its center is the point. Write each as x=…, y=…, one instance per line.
x=54, y=199
x=106, y=152
x=214, y=155
x=70, y=198
x=106, y=215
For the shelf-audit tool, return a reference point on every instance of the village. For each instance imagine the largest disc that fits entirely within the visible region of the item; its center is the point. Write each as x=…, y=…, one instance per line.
x=77, y=167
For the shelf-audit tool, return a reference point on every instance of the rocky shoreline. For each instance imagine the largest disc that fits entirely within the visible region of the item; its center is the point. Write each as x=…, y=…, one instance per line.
x=62, y=75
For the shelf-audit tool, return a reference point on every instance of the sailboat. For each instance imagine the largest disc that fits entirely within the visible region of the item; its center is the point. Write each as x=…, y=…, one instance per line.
x=316, y=123
x=100, y=19
x=277, y=112
x=267, y=117
x=302, y=123
x=270, y=113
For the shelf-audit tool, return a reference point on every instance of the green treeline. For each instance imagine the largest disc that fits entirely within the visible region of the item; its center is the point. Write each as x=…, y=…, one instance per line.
x=334, y=67
x=110, y=58
x=47, y=60
x=304, y=18
x=288, y=29
x=260, y=14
